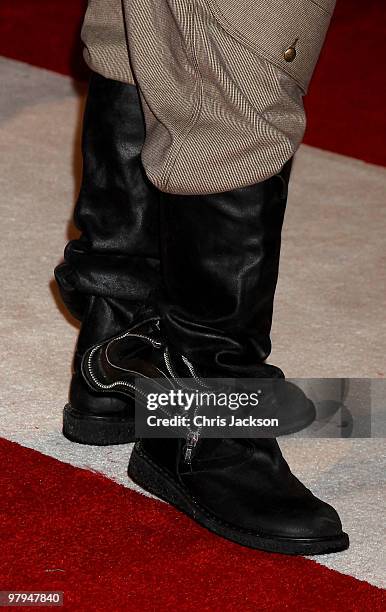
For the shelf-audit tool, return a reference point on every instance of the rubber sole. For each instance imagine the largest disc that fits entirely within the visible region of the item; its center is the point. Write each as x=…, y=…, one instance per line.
x=96, y=430
x=151, y=477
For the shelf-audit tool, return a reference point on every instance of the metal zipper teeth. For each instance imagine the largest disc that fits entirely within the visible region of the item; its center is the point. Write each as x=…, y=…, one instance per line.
x=153, y=342
x=171, y=370
x=194, y=375
x=178, y=379
x=117, y=382
x=169, y=365
x=156, y=343
x=110, y=385
x=193, y=372
x=191, y=441
x=193, y=435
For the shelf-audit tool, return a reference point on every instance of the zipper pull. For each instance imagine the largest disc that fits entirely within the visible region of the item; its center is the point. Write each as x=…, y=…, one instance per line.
x=191, y=442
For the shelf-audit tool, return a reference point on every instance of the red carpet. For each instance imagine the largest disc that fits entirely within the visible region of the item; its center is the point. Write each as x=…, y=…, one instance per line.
x=109, y=548
x=347, y=99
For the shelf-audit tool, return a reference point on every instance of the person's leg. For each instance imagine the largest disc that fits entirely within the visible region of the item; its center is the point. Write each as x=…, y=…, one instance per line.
x=220, y=258
x=222, y=101
x=111, y=271
x=220, y=262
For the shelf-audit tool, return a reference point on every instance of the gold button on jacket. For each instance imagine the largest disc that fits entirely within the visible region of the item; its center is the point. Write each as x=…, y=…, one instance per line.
x=290, y=54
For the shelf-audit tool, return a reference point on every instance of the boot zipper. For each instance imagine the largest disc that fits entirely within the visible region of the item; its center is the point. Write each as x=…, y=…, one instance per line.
x=191, y=442
x=190, y=367
x=193, y=373
x=155, y=343
x=193, y=435
x=110, y=385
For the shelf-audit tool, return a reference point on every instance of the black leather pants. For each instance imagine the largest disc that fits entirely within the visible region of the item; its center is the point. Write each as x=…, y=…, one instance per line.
x=112, y=269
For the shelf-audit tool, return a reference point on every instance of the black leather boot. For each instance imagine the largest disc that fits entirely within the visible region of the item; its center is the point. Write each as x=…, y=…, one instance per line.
x=242, y=490
x=110, y=272
x=220, y=259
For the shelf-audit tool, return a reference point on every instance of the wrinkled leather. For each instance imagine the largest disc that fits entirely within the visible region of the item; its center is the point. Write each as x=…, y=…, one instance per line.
x=110, y=273
x=220, y=259
x=220, y=252
x=113, y=268
x=142, y=352
x=122, y=360
x=91, y=403
x=248, y=484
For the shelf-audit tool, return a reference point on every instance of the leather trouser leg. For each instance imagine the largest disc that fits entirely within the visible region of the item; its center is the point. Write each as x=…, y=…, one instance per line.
x=220, y=261
x=110, y=272
x=112, y=269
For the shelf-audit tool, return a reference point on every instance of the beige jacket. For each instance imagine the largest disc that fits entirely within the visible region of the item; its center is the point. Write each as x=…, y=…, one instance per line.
x=221, y=82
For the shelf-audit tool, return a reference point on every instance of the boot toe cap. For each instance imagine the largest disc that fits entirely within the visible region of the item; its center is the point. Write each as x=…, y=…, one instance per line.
x=308, y=521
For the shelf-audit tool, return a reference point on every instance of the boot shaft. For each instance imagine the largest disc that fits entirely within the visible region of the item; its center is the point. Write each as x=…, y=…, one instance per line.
x=220, y=261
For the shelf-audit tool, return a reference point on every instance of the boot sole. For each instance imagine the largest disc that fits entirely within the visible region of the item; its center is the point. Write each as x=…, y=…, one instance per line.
x=96, y=430
x=151, y=477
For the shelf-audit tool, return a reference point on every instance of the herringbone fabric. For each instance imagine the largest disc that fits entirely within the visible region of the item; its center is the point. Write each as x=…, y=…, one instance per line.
x=223, y=107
